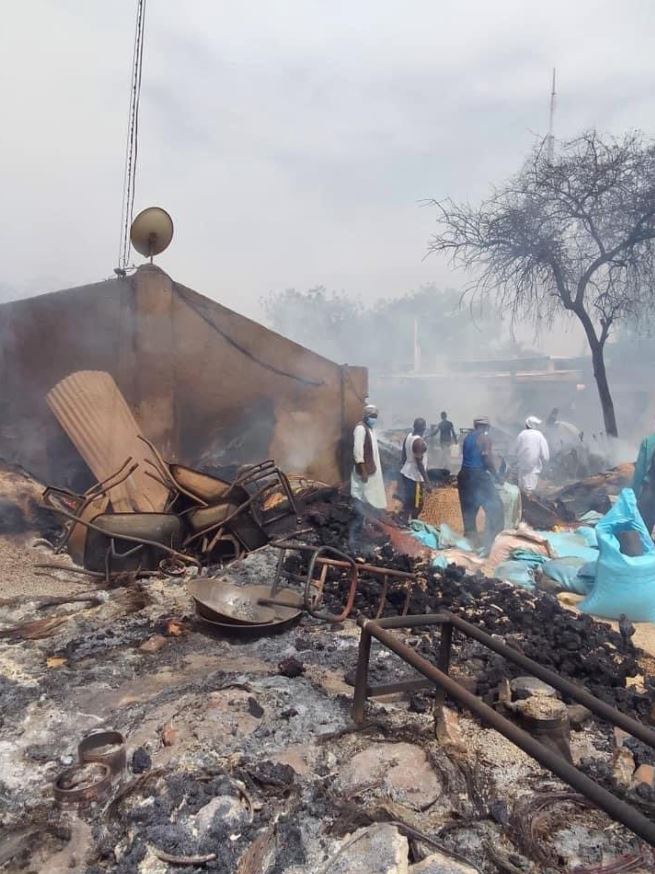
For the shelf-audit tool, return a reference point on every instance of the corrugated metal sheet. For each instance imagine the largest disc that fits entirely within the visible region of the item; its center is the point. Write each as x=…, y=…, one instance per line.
x=92, y=411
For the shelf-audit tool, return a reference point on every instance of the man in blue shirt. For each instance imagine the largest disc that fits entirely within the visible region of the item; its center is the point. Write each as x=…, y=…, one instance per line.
x=643, y=481
x=476, y=484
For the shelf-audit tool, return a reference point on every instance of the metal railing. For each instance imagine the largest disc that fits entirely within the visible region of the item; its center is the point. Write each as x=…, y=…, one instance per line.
x=380, y=629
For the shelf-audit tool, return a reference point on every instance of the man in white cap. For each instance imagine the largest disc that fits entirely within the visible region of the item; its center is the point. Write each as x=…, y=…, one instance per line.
x=531, y=450
x=366, y=482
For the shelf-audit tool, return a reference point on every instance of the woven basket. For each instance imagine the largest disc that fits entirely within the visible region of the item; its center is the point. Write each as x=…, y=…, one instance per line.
x=442, y=505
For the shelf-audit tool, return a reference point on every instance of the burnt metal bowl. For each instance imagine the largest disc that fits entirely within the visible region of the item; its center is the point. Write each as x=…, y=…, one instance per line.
x=224, y=605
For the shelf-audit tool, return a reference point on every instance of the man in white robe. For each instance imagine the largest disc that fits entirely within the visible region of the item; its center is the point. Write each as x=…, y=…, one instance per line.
x=366, y=482
x=531, y=450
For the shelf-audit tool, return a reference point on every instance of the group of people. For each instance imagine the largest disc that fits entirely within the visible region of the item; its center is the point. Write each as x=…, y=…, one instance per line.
x=478, y=479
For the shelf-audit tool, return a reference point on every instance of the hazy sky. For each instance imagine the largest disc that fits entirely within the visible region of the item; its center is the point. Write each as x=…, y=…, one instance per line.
x=291, y=140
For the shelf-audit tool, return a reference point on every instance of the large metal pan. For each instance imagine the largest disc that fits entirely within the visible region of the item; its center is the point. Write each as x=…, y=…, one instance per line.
x=233, y=629
x=220, y=601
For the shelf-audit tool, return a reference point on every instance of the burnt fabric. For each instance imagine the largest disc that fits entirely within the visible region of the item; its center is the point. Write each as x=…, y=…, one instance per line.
x=476, y=490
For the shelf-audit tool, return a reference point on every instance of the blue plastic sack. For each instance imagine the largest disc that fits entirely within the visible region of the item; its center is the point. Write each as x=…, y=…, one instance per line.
x=529, y=557
x=624, y=583
x=588, y=572
x=426, y=534
x=437, y=538
x=447, y=537
x=566, y=573
x=580, y=543
x=517, y=572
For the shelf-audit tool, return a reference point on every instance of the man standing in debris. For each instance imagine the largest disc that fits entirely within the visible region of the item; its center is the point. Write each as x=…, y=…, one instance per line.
x=643, y=481
x=413, y=476
x=476, y=484
x=366, y=483
x=531, y=450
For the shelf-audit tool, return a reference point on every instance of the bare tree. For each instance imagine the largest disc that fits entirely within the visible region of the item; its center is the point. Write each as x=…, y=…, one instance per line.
x=574, y=234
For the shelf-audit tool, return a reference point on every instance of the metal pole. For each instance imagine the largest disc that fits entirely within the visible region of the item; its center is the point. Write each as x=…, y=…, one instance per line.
x=578, y=693
x=443, y=661
x=361, y=678
x=572, y=690
x=613, y=806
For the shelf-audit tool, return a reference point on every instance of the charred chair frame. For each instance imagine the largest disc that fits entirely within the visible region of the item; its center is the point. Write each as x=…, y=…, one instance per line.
x=255, y=474
x=326, y=557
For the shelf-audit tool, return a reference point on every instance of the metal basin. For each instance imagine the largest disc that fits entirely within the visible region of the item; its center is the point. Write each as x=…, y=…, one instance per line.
x=220, y=601
x=234, y=629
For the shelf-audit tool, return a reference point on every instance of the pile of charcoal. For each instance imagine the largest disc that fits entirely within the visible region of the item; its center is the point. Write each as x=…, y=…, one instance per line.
x=573, y=645
x=329, y=512
x=576, y=646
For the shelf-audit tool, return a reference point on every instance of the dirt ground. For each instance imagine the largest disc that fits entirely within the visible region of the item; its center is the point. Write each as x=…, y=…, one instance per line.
x=216, y=721
x=20, y=576
x=242, y=753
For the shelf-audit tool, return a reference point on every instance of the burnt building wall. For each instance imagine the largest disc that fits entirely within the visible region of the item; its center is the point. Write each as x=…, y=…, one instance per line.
x=206, y=384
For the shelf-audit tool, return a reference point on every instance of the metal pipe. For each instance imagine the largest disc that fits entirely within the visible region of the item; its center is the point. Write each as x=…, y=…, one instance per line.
x=572, y=690
x=613, y=806
x=443, y=660
x=578, y=693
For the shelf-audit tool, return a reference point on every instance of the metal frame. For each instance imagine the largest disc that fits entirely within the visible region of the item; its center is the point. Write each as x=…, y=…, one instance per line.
x=438, y=676
x=313, y=586
x=77, y=504
x=140, y=541
x=262, y=471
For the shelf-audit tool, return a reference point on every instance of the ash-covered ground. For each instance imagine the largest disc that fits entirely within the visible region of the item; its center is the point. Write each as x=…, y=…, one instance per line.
x=242, y=754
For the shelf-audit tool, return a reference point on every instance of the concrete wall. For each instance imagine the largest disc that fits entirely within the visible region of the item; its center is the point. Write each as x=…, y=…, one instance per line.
x=206, y=384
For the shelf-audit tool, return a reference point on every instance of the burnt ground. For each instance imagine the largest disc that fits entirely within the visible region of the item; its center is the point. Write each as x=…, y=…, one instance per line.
x=244, y=751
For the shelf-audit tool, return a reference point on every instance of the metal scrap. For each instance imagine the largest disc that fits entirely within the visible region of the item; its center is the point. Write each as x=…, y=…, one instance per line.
x=106, y=747
x=438, y=676
x=83, y=783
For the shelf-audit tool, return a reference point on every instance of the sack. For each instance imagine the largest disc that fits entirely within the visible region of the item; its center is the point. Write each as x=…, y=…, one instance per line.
x=426, y=534
x=581, y=543
x=510, y=498
x=624, y=583
x=565, y=572
x=517, y=572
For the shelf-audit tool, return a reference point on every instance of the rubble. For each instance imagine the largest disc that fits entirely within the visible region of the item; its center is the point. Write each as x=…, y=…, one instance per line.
x=399, y=770
x=439, y=863
x=379, y=849
x=242, y=753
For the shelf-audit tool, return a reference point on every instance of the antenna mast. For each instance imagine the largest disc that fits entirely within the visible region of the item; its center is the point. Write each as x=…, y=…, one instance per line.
x=131, y=149
x=550, y=144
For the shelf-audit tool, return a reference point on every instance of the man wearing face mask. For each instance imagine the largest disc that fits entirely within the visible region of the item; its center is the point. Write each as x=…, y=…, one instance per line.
x=366, y=483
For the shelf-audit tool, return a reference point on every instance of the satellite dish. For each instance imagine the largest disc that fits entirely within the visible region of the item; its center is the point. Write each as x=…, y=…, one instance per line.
x=151, y=231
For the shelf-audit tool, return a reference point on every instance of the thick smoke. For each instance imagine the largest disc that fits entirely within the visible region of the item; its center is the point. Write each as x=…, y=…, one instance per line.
x=433, y=350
